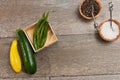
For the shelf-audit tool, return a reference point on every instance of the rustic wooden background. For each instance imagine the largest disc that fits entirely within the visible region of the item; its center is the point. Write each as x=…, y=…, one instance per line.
x=78, y=55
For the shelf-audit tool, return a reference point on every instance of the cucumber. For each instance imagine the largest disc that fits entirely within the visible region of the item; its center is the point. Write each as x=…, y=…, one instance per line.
x=28, y=56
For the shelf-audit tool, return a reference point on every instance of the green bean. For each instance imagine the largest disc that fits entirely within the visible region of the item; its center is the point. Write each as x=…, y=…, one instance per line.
x=35, y=33
x=39, y=36
x=44, y=37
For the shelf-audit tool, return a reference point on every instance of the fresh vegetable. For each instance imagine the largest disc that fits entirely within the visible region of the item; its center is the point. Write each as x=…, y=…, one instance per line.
x=40, y=32
x=28, y=56
x=15, y=60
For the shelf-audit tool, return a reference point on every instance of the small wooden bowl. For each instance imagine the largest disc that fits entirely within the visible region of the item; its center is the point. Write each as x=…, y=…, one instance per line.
x=86, y=17
x=51, y=37
x=100, y=26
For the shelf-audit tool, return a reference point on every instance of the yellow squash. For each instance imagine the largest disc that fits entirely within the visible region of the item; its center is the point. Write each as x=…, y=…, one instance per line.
x=15, y=60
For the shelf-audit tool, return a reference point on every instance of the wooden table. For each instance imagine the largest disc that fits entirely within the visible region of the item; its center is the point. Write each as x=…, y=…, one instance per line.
x=78, y=55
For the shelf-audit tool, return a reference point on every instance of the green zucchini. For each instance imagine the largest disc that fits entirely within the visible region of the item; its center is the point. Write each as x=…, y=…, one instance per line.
x=28, y=56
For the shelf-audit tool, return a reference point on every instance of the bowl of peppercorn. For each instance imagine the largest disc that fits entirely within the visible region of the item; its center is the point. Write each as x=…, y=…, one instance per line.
x=85, y=9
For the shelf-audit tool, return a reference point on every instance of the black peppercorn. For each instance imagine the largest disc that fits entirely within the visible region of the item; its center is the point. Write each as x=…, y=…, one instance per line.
x=87, y=8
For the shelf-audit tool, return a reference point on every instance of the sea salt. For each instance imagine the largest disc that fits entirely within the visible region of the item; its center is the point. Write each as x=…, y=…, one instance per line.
x=108, y=32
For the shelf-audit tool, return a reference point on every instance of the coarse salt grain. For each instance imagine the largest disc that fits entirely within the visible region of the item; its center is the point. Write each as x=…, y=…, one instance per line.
x=108, y=32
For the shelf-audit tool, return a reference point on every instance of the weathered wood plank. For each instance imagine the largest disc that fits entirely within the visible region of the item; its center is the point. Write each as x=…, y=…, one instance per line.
x=100, y=77
x=64, y=15
x=84, y=55
x=72, y=55
x=38, y=78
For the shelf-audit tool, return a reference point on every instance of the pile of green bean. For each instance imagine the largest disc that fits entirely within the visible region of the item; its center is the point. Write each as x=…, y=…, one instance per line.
x=40, y=32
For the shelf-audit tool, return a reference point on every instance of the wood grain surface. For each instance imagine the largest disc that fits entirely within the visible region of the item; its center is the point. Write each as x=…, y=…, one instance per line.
x=102, y=77
x=79, y=52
